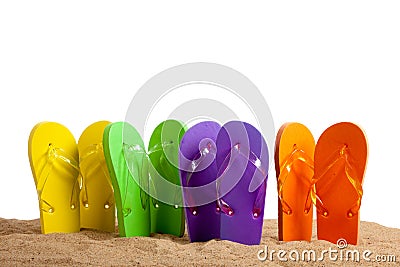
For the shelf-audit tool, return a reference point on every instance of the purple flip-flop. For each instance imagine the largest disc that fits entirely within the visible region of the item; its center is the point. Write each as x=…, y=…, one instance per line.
x=198, y=171
x=242, y=161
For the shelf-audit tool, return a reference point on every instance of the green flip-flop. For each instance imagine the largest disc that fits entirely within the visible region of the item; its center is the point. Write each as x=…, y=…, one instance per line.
x=127, y=163
x=167, y=214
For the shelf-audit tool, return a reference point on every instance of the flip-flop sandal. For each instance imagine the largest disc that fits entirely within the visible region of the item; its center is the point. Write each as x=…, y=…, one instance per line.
x=97, y=205
x=339, y=165
x=127, y=163
x=294, y=164
x=166, y=217
x=198, y=171
x=53, y=156
x=242, y=160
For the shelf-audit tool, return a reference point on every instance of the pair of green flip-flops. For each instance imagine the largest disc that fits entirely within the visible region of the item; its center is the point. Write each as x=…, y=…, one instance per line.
x=142, y=205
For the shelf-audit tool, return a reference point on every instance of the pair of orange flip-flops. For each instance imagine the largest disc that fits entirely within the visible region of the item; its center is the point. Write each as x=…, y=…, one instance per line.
x=327, y=175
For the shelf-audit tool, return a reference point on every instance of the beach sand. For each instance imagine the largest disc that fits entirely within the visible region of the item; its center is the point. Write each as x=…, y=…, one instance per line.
x=22, y=244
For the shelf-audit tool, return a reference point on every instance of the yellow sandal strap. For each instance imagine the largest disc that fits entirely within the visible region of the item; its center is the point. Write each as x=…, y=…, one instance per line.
x=58, y=154
x=95, y=153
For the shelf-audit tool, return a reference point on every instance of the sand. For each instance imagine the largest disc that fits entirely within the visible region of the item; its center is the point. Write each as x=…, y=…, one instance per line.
x=22, y=244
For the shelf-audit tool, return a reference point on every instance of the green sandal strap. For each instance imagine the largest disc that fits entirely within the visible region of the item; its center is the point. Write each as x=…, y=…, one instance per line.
x=166, y=171
x=128, y=155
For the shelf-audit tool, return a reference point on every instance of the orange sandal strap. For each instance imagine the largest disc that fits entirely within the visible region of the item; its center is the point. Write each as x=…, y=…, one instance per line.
x=339, y=156
x=286, y=168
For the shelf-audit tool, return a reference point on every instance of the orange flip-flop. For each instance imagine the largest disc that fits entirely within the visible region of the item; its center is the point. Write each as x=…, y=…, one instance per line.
x=339, y=164
x=294, y=153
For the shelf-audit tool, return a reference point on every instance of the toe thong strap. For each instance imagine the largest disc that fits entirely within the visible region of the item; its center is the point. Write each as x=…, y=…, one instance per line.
x=297, y=155
x=341, y=156
x=93, y=159
x=205, y=156
x=128, y=158
x=161, y=173
x=240, y=151
x=56, y=155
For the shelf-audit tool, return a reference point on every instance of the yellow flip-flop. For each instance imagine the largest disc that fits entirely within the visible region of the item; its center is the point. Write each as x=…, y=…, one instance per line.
x=53, y=156
x=97, y=205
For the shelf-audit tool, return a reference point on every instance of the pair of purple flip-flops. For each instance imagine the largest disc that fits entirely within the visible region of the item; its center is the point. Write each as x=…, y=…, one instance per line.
x=224, y=174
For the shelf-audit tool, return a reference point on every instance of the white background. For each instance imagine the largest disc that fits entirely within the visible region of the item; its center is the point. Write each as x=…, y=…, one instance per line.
x=316, y=62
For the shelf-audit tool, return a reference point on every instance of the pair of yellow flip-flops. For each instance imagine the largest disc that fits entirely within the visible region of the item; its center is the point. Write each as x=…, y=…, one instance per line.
x=72, y=180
